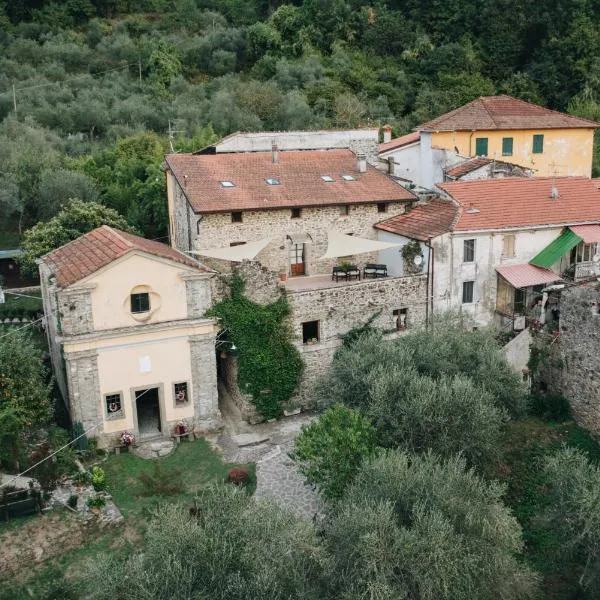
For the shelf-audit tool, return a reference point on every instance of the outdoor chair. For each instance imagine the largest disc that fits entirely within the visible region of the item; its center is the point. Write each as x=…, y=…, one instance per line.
x=374, y=270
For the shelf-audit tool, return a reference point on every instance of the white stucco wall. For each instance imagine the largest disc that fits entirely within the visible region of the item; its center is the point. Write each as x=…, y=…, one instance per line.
x=392, y=257
x=450, y=271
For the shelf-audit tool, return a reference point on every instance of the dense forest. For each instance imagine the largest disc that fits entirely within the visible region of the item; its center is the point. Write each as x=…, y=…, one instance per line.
x=90, y=88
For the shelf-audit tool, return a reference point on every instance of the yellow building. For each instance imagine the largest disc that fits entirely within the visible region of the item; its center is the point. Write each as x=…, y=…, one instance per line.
x=515, y=131
x=130, y=347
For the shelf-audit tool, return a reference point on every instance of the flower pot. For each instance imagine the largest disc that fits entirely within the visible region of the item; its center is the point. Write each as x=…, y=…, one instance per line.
x=282, y=276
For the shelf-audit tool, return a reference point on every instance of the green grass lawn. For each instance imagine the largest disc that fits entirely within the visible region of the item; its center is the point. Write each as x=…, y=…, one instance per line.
x=528, y=441
x=193, y=465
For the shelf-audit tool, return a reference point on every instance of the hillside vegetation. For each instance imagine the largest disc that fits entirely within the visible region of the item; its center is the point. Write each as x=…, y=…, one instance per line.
x=89, y=88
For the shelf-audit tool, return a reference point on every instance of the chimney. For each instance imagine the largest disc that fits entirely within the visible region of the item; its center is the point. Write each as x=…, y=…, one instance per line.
x=361, y=162
x=275, y=152
x=391, y=166
x=387, y=134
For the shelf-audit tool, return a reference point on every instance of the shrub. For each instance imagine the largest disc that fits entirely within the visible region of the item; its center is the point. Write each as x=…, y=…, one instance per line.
x=160, y=481
x=96, y=501
x=331, y=449
x=238, y=476
x=98, y=478
x=552, y=408
x=82, y=478
x=72, y=501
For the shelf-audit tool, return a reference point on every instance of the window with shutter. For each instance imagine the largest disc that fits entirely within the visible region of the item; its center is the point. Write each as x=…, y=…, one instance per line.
x=507, y=146
x=481, y=146
x=538, y=144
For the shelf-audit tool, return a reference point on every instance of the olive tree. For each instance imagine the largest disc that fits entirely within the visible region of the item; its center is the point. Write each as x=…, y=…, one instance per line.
x=418, y=528
x=228, y=547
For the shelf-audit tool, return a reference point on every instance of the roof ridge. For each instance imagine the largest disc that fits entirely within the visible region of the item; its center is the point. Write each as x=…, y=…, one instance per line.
x=483, y=103
x=117, y=233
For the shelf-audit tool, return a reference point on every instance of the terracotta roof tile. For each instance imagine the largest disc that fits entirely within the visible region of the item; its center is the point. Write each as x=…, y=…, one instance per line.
x=92, y=251
x=515, y=202
x=503, y=112
x=299, y=173
x=525, y=275
x=457, y=171
x=423, y=222
x=399, y=142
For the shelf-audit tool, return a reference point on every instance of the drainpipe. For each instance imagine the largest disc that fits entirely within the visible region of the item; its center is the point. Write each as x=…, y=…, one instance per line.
x=429, y=286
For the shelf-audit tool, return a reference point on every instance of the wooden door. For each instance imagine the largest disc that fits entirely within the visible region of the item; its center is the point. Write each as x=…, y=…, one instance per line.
x=297, y=259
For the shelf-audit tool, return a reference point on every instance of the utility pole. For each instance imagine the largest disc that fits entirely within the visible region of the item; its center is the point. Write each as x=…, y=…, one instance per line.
x=172, y=131
x=15, y=98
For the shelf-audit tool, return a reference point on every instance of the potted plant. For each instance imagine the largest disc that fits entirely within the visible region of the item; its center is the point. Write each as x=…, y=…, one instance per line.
x=127, y=439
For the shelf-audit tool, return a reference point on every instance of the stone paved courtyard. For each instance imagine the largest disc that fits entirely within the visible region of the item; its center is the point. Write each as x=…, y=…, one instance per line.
x=268, y=445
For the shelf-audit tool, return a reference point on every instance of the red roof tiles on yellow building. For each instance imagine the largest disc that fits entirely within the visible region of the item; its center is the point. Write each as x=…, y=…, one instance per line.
x=92, y=251
x=503, y=112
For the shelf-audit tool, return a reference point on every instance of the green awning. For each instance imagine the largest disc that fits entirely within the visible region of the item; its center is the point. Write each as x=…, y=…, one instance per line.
x=556, y=250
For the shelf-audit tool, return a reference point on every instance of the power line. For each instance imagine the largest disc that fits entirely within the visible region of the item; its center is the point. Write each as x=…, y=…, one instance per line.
x=20, y=328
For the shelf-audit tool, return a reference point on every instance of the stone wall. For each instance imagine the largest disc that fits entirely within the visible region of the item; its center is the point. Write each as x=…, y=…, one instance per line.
x=75, y=311
x=198, y=294
x=182, y=220
x=217, y=230
x=229, y=370
x=207, y=416
x=341, y=308
x=578, y=346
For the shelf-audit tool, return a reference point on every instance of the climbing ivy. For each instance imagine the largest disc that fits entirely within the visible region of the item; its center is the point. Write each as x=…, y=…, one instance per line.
x=409, y=251
x=270, y=366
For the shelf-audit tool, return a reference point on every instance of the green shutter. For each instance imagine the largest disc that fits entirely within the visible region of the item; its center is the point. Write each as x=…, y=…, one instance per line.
x=538, y=143
x=556, y=249
x=507, y=146
x=481, y=146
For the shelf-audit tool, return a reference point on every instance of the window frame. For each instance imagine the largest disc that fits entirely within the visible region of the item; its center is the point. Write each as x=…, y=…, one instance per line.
x=537, y=144
x=308, y=340
x=137, y=296
x=115, y=414
x=468, y=297
x=397, y=313
x=506, y=151
x=187, y=402
x=237, y=216
x=505, y=244
x=295, y=213
x=382, y=207
x=482, y=140
x=469, y=250
x=344, y=210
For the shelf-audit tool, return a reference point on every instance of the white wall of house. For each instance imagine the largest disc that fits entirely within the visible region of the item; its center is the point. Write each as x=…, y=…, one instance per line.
x=450, y=269
x=419, y=162
x=392, y=257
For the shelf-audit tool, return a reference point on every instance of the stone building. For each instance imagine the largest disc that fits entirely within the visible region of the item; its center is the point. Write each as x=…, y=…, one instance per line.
x=130, y=347
x=295, y=214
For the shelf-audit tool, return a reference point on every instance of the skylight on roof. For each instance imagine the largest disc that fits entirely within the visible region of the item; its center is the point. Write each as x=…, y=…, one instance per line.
x=327, y=178
x=272, y=181
x=227, y=184
x=348, y=178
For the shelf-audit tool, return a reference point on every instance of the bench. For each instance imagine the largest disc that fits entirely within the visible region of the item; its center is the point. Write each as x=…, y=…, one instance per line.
x=374, y=270
x=338, y=273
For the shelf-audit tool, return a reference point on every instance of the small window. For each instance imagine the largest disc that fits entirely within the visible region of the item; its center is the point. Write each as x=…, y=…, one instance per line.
x=236, y=217
x=467, y=295
x=481, y=146
x=181, y=394
x=382, y=207
x=273, y=181
x=538, y=143
x=232, y=244
x=468, y=251
x=400, y=315
x=140, y=303
x=327, y=178
x=310, y=332
x=344, y=210
x=296, y=213
x=227, y=184
x=508, y=245
x=348, y=178
x=507, y=146
x=114, y=404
